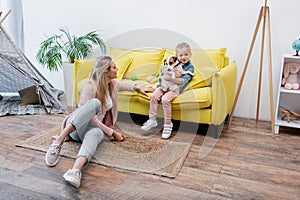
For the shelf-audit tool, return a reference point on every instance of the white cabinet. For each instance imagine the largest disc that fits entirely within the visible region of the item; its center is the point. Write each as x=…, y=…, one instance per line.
x=287, y=99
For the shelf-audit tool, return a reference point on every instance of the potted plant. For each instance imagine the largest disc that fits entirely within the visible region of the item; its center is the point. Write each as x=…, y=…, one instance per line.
x=52, y=50
x=55, y=48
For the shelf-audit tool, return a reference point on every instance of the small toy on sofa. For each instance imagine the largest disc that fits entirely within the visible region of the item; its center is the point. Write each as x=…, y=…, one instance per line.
x=151, y=79
x=133, y=77
x=290, y=78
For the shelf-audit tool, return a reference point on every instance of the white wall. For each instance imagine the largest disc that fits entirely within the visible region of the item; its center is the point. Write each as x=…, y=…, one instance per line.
x=211, y=24
x=14, y=22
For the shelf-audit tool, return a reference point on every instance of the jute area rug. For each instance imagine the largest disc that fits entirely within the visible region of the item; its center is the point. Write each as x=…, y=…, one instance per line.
x=141, y=152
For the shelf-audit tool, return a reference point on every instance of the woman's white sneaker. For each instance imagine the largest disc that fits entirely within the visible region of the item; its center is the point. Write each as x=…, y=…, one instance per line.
x=73, y=176
x=52, y=155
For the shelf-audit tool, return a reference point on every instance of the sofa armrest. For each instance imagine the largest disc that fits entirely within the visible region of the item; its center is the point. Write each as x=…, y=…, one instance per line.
x=223, y=91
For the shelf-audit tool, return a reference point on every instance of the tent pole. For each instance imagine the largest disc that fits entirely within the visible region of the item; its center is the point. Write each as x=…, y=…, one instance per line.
x=4, y=16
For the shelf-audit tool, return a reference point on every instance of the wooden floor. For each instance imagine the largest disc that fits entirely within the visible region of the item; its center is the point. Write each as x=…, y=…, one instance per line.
x=245, y=163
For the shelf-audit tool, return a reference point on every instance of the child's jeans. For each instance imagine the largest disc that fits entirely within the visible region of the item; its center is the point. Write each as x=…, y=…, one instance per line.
x=166, y=100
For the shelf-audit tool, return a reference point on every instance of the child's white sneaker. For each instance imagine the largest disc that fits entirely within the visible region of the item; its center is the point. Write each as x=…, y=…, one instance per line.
x=167, y=131
x=149, y=124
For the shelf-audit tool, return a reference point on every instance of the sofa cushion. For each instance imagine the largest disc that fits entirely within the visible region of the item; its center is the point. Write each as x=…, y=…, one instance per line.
x=122, y=64
x=132, y=95
x=128, y=96
x=191, y=99
x=145, y=63
x=202, y=78
x=208, y=58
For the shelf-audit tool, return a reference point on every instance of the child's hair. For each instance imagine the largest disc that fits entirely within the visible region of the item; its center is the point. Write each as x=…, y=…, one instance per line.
x=182, y=45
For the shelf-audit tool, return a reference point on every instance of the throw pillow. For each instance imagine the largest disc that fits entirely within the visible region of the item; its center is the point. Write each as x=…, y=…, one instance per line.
x=212, y=57
x=145, y=63
x=29, y=96
x=122, y=64
x=202, y=78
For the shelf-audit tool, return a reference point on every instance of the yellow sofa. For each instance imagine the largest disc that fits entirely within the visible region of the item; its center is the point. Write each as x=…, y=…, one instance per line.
x=207, y=99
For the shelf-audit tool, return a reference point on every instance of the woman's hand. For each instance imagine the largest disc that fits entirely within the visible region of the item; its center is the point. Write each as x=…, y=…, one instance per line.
x=144, y=90
x=118, y=136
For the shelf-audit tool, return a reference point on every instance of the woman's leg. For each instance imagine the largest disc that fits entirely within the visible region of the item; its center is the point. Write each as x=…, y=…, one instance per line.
x=59, y=139
x=76, y=123
x=93, y=137
x=79, y=119
x=80, y=162
x=83, y=115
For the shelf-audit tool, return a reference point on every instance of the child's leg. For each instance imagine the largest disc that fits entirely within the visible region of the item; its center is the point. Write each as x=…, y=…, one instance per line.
x=166, y=100
x=166, y=104
x=154, y=100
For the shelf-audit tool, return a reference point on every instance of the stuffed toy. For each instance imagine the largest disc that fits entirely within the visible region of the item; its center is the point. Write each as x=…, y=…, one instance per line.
x=290, y=78
x=172, y=69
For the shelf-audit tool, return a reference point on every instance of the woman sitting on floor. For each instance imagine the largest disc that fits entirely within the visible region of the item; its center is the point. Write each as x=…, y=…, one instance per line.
x=97, y=112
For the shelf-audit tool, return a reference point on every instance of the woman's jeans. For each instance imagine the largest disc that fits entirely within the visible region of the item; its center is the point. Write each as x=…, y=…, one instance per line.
x=90, y=136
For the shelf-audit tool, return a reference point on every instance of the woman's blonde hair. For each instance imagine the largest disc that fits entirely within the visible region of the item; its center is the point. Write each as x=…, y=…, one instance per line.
x=100, y=78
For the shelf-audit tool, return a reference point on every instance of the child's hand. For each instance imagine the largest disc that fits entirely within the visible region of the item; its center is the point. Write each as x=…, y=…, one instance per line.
x=168, y=78
x=178, y=74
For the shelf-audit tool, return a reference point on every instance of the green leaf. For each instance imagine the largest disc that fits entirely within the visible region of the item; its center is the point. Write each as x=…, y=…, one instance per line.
x=55, y=47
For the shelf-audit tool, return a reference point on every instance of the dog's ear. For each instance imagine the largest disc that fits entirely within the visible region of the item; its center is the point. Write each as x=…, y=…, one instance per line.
x=176, y=61
x=172, y=59
x=165, y=61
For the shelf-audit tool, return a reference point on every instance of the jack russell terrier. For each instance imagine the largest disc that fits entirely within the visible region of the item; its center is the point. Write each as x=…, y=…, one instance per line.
x=172, y=69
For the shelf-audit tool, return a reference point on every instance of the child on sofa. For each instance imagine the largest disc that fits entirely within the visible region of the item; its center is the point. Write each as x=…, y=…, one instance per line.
x=183, y=54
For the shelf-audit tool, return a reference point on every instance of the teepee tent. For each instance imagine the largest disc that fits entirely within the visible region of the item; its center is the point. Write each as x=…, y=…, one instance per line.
x=17, y=74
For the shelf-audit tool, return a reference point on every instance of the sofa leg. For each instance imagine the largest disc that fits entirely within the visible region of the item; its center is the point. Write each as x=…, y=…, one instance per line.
x=215, y=130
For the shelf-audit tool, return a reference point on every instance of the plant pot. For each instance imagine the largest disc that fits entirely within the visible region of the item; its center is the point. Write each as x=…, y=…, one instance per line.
x=68, y=70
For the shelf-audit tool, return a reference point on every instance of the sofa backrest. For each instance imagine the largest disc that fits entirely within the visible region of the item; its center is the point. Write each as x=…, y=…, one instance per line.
x=143, y=64
x=206, y=63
